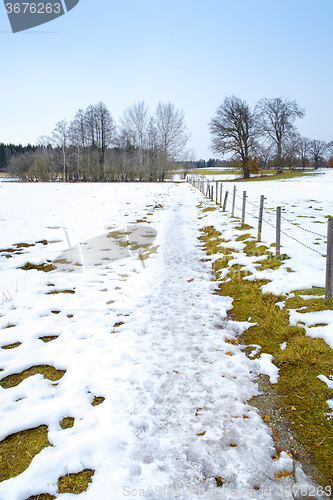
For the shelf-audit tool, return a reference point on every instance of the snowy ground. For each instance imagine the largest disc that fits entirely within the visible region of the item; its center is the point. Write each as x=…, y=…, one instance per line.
x=306, y=204
x=175, y=413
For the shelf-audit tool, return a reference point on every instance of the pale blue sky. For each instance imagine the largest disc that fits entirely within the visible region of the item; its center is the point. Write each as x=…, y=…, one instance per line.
x=192, y=53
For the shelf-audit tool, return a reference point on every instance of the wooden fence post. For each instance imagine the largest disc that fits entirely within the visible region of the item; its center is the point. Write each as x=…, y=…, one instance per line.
x=243, y=208
x=221, y=193
x=329, y=261
x=208, y=189
x=225, y=201
x=233, y=202
x=261, y=210
x=212, y=193
x=216, y=193
x=278, y=231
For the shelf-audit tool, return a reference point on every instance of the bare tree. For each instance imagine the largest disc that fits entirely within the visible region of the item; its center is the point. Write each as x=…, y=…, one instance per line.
x=60, y=139
x=101, y=130
x=171, y=132
x=303, y=149
x=264, y=151
x=233, y=130
x=90, y=126
x=317, y=150
x=77, y=135
x=105, y=129
x=276, y=118
x=153, y=152
x=45, y=153
x=135, y=121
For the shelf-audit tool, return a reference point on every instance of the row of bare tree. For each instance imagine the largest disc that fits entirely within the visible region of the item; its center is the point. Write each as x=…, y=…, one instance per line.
x=266, y=134
x=144, y=146
x=92, y=147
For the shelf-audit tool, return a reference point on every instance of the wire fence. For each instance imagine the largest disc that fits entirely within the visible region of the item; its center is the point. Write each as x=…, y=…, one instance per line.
x=214, y=191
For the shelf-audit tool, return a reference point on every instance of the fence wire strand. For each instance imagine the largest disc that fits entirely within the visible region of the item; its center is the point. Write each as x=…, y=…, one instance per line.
x=274, y=227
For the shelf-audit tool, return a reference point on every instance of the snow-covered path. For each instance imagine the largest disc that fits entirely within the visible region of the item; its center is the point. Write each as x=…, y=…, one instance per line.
x=188, y=401
x=175, y=415
x=189, y=414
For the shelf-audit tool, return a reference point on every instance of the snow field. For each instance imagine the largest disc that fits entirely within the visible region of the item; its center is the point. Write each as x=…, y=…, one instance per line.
x=175, y=413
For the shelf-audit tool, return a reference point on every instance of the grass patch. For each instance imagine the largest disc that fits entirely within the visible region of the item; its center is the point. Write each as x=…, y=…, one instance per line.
x=8, y=325
x=244, y=227
x=273, y=262
x=309, y=305
x=245, y=236
x=43, y=496
x=304, y=397
x=67, y=423
x=39, y=267
x=47, y=371
x=252, y=248
x=98, y=400
x=209, y=209
x=76, y=483
x=275, y=177
x=213, y=243
x=48, y=338
x=56, y=292
x=11, y=346
x=18, y=450
x=221, y=263
x=205, y=171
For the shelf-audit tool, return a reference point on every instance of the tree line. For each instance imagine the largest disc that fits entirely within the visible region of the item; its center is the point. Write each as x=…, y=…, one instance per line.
x=92, y=147
x=144, y=146
x=266, y=135
x=9, y=150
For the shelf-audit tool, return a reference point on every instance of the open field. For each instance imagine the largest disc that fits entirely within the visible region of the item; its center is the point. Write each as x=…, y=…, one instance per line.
x=230, y=175
x=124, y=366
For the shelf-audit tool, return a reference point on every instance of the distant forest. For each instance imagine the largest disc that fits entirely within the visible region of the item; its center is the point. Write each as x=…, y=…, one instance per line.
x=9, y=151
x=146, y=147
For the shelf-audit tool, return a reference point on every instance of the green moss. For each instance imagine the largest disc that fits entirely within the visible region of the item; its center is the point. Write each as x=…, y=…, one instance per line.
x=47, y=371
x=18, y=450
